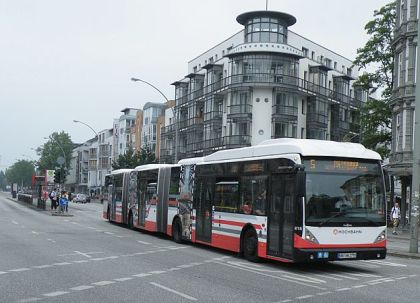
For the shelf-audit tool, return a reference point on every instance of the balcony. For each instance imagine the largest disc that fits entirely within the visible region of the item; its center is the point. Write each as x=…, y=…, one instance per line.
x=237, y=141
x=268, y=79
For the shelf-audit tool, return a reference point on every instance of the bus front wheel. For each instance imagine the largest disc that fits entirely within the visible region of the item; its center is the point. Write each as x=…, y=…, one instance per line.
x=250, y=245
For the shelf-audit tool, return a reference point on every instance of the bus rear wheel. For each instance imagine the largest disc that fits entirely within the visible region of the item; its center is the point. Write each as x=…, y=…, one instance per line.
x=176, y=231
x=250, y=245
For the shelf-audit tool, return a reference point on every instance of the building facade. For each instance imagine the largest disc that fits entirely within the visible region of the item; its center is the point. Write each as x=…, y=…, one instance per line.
x=124, y=130
x=263, y=82
x=403, y=95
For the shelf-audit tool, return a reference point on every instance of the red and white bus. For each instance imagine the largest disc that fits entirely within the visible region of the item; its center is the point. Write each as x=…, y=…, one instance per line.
x=292, y=200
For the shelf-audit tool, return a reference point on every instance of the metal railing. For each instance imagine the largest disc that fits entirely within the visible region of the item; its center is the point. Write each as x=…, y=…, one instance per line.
x=268, y=79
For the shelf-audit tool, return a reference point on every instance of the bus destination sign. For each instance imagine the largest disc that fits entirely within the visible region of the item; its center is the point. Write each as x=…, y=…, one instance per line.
x=336, y=165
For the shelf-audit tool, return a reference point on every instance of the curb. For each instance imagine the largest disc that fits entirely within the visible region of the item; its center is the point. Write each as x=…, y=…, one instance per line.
x=401, y=254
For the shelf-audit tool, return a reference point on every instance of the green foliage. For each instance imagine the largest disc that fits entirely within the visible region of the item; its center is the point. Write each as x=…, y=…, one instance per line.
x=3, y=181
x=377, y=56
x=376, y=122
x=21, y=172
x=133, y=158
x=58, y=145
x=377, y=52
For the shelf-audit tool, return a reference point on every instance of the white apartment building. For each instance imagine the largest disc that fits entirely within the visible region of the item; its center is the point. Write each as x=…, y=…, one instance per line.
x=149, y=133
x=123, y=128
x=263, y=82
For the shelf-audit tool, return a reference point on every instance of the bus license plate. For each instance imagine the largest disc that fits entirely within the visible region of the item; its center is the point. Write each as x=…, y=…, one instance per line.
x=347, y=255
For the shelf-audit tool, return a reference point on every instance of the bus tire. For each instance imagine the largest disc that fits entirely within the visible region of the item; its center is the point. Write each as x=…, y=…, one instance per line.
x=250, y=245
x=176, y=231
x=130, y=221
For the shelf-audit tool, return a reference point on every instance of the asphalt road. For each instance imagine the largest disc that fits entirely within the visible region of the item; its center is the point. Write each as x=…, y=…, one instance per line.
x=84, y=258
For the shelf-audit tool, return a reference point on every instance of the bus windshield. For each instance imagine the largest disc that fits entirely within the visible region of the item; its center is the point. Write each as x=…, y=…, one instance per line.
x=344, y=193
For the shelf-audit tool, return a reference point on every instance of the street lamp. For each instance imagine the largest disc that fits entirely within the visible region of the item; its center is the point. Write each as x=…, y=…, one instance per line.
x=97, y=153
x=173, y=112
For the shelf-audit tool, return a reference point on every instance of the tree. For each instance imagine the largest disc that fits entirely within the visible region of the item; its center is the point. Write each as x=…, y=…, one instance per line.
x=3, y=181
x=377, y=55
x=133, y=158
x=21, y=172
x=58, y=145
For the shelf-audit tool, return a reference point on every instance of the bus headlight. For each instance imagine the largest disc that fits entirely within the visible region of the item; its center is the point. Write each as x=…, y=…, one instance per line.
x=310, y=237
x=380, y=237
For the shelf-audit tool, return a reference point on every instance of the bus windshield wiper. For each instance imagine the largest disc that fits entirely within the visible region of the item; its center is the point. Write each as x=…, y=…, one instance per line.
x=340, y=214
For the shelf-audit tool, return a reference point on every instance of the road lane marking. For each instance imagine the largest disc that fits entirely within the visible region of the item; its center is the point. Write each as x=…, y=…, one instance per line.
x=144, y=242
x=103, y=283
x=157, y=272
x=14, y=222
x=304, y=297
x=33, y=299
x=123, y=279
x=141, y=275
x=359, y=286
x=62, y=263
x=3, y=272
x=19, y=269
x=174, y=291
x=268, y=275
x=343, y=289
x=55, y=294
x=42, y=266
x=82, y=287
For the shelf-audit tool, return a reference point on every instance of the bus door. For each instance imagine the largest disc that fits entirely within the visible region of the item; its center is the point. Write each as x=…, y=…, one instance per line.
x=204, y=210
x=281, y=215
x=142, y=201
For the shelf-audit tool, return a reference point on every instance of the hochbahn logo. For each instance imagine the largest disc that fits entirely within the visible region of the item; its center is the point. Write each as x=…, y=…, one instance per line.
x=346, y=231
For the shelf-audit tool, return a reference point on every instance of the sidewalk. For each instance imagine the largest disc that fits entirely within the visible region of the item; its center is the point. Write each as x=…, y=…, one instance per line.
x=399, y=245
x=47, y=207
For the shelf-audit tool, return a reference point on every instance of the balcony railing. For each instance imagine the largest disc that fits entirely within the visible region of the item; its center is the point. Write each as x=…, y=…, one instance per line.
x=268, y=79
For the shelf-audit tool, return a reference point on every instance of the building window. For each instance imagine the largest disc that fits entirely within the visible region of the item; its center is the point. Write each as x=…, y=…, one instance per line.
x=305, y=52
x=313, y=55
x=265, y=30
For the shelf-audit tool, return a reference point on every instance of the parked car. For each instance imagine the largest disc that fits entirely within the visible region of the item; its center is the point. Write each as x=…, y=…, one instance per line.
x=80, y=198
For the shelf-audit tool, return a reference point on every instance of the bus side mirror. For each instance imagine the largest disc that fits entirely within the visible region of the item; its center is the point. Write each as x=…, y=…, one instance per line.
x=387, y=181
x=300, y=183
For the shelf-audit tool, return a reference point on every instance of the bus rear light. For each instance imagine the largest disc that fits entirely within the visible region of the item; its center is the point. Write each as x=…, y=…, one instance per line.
x=380, y=237
x=310, y=237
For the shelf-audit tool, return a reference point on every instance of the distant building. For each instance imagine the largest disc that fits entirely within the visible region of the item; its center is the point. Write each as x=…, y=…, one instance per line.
x=263, y=82
x=125, y=124
x=151, y=125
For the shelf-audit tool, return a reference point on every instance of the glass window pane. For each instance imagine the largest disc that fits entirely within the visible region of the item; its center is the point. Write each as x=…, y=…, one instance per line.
x=273, y=37
x=274, y=27
x=255, y=37
x=265, y=37
x=265, y=27
x=256, y=27
x=256, y=20
x=265, y=19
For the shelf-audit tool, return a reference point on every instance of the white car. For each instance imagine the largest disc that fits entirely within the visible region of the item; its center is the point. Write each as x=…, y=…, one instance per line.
x=80, y=198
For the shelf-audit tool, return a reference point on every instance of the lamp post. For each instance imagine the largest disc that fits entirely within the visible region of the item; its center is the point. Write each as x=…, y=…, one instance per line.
x=173, y=112
x=97, y=153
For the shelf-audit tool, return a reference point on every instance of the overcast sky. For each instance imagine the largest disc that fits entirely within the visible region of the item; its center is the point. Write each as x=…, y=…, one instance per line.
x=62, y=60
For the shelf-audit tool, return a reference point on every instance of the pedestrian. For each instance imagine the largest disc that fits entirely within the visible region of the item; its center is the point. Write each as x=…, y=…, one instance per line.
x=395, y=217
x=53, y=198
x=64, y=202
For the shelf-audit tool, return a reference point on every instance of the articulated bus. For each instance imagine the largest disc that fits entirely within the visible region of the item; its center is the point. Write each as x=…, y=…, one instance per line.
x=291, y=200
